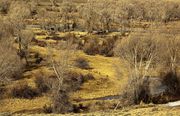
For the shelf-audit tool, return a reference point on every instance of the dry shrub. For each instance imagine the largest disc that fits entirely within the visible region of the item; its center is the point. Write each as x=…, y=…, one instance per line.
x=47, y=109
x=74, y=80
x=10, y=64
x=61, y=103
x=82, y=63
x=100, y=46
x=19, y=9
x=136, y=91
x=171, y=80
x=4, y=6
x=160, y=90
x=24, y=91
x=91, y=47
x=42, y=83
x=71, y=37
x=172, y=11
x=60, y=96
x=108, y=46
x=152, y=10
x=88, y=77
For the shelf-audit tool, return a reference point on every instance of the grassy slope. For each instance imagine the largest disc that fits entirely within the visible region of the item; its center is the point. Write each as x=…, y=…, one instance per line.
x=105, y=82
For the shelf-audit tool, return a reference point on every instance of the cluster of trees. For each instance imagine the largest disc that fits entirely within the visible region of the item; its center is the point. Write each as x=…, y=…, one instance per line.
x=12, y=29
x=10, y=63
x=98, y=15
x=109, y=15
x=143, y=53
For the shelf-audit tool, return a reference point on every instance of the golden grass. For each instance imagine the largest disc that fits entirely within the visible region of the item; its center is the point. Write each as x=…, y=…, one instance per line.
x=147, y=110
x=106, y=82
x=17, y=105
x=76, y=33
x=41, y=50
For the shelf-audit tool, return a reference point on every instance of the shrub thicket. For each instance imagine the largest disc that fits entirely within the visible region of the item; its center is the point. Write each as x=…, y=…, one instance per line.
x=24, y=91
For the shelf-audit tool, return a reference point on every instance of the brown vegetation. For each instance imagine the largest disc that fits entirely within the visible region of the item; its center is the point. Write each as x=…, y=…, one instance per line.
x=24, y=91
x=144, y=53
x=80, y=42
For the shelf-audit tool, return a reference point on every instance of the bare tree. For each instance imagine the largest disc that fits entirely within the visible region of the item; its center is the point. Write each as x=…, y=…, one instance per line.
x=139, y=53
x=89, y=15
x=24, y=40
x=19, y=11
x=106, y=13
x=67, y=13
x=9, y=61
x=61, y=67
x=170, y=43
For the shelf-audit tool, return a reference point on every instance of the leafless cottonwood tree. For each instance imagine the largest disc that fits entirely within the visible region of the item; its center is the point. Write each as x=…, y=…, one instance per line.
x=89, y=15
x=10, y=64
x=19, y=11
x=61, y=66
x=138, y=52
x=169, y=61
x=67, y=13
x=170, y=43
x=24, y=41
x=106, y=12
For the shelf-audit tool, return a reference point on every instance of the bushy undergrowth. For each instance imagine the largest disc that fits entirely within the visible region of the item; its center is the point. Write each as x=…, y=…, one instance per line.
x=74, y=80
x=100, y=46
x=60, y=96
x=24, y=91
x=42, y=83
x=172, y=81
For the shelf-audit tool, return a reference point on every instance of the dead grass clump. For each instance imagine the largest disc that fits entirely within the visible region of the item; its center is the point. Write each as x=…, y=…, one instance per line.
x=82, y=63
x=88, y=77
x=24, y=91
